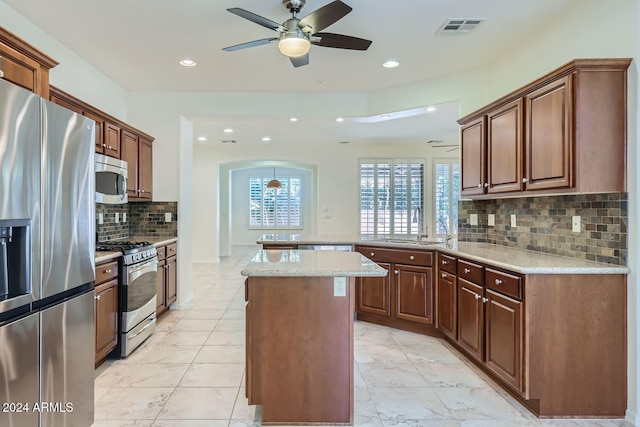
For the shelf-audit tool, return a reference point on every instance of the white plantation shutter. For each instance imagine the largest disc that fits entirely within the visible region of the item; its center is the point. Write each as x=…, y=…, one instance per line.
x=275, y=207
x=447, y=195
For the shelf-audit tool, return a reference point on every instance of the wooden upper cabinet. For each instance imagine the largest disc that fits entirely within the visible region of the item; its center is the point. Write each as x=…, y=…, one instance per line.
x=473, y=145
x=549, y=154
x=100, y=145
x=112, y=140
x=565, y=132
x=145, y=168
x=137, y=152
x=504, y=148
x=24, y=65
x=129, y=153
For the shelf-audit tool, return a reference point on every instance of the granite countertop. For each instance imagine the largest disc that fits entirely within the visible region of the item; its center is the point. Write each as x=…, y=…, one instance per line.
x=306, y=263
x=513, y=259
x=103, y=256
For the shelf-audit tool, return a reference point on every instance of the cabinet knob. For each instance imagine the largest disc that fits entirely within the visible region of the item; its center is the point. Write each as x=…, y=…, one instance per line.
x=411, y=257
x=110, y=148
x=466, y=270
x=486, y=184
x=443, y=275
x=478, y=296
x=484, y=300
x=525, y=180
x=104, y=145
x=396, y=271
x=479, y=185
x=98, y=297
x=172, y=249
x=372, y=253
x=444, y=262
x=142, y=191
x=107, y=271
x=498, y=282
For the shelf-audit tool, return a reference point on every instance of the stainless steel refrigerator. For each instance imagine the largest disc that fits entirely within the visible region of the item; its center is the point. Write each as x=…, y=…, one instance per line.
x=47, y=242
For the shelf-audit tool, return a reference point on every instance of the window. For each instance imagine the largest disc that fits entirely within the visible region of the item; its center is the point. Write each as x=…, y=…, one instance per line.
x=275, y=207
x=447, y=195
x=391, y=197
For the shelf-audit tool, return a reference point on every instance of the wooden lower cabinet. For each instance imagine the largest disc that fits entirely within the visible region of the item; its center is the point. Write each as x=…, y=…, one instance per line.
x=447, y=304
x=471, y=318
x=414, y=294
x=374, y=293
x=106, y=310
x=167, y=277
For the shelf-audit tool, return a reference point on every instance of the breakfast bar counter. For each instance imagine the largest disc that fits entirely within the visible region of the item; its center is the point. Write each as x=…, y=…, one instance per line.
x=299, y=334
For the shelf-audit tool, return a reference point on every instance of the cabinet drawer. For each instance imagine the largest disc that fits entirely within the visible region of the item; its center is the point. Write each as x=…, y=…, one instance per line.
x=447, y=263
x=504, y=283
x=407, y=257
x=161, y=252
x=172, y=249
x=106, y=271
x=469, y=271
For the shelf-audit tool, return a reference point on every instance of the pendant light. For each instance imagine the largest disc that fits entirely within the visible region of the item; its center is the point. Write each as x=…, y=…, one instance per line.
x=274, y=183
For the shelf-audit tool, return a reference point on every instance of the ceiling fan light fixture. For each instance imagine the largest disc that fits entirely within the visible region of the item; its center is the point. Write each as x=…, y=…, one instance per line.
x=293, y=44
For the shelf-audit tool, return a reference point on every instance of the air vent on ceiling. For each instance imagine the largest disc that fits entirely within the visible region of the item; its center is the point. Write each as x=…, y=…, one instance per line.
x=228, y=141
x=459, y=26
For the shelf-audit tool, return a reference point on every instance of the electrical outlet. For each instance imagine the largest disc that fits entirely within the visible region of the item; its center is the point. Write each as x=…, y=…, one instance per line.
x=473, y=219
x=117, y=217
x=339, y=286
x=575, y=224
x=100, y=218
x=513, y=220
x=167, y=217
x=124, y=217
x=491, y=220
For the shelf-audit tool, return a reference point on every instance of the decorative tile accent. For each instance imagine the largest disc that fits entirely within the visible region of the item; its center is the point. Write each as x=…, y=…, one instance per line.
x=544, y=225
x=144, y=220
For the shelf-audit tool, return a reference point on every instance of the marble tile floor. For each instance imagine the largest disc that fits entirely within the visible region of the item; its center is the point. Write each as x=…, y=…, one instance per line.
x=190, y=372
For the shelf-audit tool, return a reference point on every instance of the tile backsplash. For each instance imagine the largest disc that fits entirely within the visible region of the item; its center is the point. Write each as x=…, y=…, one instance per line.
x=544, y=224
x=143, y=220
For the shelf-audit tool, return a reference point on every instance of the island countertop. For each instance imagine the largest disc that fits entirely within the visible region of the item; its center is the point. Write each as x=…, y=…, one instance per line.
x=309, y=263
x=514, y=259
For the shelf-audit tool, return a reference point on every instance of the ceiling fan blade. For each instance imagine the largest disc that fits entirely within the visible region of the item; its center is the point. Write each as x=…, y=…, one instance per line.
x=299, y=61
x=320, y=19
x=340, y=41
x=250, y=44
x=260, y=20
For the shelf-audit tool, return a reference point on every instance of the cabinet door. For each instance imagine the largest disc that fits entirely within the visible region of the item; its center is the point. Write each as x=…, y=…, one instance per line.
x=374, y=293
x=130, y=155
x=111, y=140
x=548, y=137
x=414, y=293
x=504, y=338
x=160, y=288
x=171, y=280
x=447, y=304
x=470, y=318
x=19, y=69
x=473, y=157
x=504, y=148
x=100, y=145
x=106, y=318
x=145, y=169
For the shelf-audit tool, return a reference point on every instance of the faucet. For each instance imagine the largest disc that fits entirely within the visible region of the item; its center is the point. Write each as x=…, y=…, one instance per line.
x=423, y=233
x=446, y=230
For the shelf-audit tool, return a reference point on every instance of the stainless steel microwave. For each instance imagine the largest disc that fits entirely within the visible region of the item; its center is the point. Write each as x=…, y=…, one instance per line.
x=111, y=180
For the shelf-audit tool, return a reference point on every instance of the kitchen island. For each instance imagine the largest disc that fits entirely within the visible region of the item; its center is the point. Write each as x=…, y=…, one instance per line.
x=299, y=334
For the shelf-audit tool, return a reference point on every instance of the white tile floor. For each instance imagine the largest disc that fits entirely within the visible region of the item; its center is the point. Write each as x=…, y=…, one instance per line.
x=190, y=372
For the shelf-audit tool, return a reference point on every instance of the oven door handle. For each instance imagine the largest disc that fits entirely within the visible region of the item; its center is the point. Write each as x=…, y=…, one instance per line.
x=138, y=270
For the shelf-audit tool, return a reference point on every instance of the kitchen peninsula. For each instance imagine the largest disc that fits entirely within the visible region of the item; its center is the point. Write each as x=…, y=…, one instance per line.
x=551, y=330
x=299, y=334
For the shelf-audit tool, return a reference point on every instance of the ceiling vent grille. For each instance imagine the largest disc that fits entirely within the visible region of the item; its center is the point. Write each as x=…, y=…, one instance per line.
x=229, y=141
x=459, y=26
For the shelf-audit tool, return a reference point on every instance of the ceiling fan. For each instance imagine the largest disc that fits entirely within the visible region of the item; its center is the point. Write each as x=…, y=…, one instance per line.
x=297, y=35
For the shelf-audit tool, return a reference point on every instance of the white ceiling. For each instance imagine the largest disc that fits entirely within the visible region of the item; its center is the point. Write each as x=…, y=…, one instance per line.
x=138, y=43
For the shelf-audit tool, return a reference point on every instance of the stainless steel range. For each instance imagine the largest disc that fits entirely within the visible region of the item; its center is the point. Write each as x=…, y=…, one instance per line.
x=137, y=292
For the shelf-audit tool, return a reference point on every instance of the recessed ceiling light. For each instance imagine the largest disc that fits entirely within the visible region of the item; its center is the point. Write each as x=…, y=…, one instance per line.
x=385, y=117
x=293, y=119
x=188, y=63
x=391, y=63
x=340, y=119
x=228, y=130
x=202, y=138
x=266, y=139
x=431, y=109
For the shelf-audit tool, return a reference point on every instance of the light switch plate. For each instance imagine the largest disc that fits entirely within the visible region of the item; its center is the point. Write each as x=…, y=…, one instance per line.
x=575, y=224
x=124, y=217
x=117, y=217
x=513, y=220
x=473, y=219
x=491, y=220
x=339, y=286
x=100, y=218
x=167, y=217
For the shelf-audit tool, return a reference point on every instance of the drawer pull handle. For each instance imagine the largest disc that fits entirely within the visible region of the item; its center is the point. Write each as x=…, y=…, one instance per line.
x=444, y=262
x=411, y=257
x=478, y=296
x=498, y=282
x=444, y=275
x=466, y=270
x=484, y=300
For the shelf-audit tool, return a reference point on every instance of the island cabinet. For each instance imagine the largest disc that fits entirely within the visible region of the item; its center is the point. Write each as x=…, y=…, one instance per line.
x=563, y=133
x=106, y=309
x=522, y=329
x=405, y=297
x=24, y=65
x=167, y=277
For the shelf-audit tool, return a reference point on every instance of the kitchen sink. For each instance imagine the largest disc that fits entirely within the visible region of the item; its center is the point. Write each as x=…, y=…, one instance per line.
x=414, y=242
